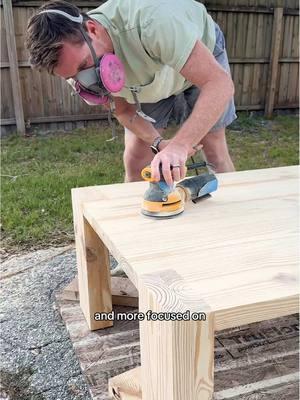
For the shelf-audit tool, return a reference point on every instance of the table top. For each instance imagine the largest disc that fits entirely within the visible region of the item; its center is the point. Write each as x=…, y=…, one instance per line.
x=236, y=248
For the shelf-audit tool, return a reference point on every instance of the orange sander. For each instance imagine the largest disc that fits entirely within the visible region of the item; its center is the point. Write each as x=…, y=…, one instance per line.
x=164, y=201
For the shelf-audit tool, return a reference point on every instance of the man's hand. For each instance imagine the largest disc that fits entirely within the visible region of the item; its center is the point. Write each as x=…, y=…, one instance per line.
x=171, y=155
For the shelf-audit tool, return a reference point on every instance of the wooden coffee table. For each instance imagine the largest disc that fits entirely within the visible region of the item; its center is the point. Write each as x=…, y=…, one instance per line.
x=229, y=260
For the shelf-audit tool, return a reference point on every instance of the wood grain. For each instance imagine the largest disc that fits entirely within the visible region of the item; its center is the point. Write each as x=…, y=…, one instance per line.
x=273, y=73
x=126, y=386
x=242, y=255
x=177, y=356
x=92, y=261
x=13, y=62
x=122, y=290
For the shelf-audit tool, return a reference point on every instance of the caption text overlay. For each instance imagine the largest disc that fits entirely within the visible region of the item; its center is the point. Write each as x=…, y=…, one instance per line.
x=150, y=316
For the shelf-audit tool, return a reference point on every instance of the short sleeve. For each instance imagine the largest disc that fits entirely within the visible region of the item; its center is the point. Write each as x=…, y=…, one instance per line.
x=170, y=39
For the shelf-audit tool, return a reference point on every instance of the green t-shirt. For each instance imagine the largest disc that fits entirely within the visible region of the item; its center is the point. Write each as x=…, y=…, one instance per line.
x=153, y=39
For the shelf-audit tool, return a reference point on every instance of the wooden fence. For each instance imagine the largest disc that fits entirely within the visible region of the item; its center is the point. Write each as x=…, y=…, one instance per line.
x=262, y=43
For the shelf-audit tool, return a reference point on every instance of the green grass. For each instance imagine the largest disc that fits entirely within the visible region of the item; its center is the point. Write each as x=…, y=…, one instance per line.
x=36, y=204
x=261, y=143
x=38, y=173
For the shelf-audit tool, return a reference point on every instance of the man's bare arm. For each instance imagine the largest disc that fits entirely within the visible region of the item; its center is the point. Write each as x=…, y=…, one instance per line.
x=216, y=88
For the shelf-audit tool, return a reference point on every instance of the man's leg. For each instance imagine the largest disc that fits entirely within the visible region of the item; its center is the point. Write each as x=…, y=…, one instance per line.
x=216, y=151
x=137, y=155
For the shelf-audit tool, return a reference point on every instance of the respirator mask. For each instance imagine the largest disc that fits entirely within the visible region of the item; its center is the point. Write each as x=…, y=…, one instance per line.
x=95, y=84
x=107, y=76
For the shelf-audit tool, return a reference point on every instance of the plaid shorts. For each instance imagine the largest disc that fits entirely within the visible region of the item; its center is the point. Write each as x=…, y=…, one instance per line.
x=180, y=106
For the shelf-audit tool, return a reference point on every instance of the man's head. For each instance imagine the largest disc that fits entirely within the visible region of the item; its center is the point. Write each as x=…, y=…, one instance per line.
x=70, y=44
x=57, y=44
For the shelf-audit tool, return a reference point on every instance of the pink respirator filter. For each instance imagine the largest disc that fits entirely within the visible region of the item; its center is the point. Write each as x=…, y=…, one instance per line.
x=112, y=73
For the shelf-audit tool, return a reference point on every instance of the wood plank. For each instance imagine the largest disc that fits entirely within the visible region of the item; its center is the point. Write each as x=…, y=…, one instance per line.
x=283, y=70
x=92, y=262
x=230, y=34
x=177, y=356
x=257, y=70
x=273, y=73
x=292, y=94
x=249, y=52
x=231, y=45
x=242, y=20
x=19, y=33
x=26, y=82
x=7, y=106
x=96, y=285
x=123, y=292
x=47, y=87
x=295, y=42
x=290, y=84
x=13, y=61
x=295, y=53
x=3, y=43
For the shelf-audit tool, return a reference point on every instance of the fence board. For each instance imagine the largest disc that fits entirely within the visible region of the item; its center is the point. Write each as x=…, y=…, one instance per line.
x=276, y=43
x=242, y=22
x=7, y=105
x=4, y=53
x=13, y=62
x=292, y=83
x=257, y=95
x=295, y=42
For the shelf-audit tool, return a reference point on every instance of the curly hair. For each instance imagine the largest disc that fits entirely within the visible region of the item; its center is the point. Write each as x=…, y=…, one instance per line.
x=46, y=33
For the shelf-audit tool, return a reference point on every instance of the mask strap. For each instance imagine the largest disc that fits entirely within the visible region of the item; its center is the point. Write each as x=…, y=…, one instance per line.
x=139, y=110
x=78, y=20
x=88, y=42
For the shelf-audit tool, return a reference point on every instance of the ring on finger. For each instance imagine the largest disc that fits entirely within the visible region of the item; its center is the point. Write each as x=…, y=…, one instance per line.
x=175, y=166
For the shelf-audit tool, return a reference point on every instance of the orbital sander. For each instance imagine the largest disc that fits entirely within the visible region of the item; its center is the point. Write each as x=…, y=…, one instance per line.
x=164, y=201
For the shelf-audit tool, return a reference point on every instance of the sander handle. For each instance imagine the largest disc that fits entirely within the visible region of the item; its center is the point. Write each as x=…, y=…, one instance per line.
x=196, y=187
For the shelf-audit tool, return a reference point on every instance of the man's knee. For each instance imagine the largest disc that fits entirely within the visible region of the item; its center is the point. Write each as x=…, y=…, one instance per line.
x=216, y=152
x=132, y=159
x=218, y=160
x=134, y=162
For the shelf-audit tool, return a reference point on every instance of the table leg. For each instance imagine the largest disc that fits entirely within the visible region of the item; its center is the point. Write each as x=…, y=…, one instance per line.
x=93, y=265
x=177, y=356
